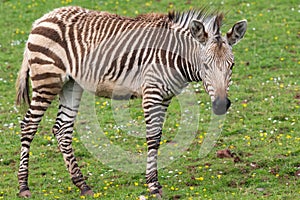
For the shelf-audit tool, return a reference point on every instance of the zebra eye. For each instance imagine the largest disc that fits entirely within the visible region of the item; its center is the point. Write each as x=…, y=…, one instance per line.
x=206, y=66
x=231, y=66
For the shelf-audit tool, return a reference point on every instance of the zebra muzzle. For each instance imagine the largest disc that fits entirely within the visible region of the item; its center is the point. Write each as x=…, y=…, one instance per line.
x=220, y=105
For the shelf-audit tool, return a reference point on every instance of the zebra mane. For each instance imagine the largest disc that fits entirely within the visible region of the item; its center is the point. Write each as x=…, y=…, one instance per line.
x=212, y=20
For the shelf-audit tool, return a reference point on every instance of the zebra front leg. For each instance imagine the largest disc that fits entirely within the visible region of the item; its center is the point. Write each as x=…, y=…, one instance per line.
x=153, y=144
x=154, y=109
x=69, y=99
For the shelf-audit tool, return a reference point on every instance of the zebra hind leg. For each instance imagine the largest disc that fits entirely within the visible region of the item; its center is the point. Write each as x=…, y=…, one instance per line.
x=69, y=98
x=41, y=99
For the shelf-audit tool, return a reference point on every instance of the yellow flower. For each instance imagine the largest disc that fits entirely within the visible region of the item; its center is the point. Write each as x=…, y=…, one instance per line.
x=281, y=85
x=96, y=195
x=288, y=137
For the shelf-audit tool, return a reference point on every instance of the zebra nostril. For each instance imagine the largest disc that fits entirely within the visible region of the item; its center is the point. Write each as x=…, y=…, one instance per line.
x=228, y=103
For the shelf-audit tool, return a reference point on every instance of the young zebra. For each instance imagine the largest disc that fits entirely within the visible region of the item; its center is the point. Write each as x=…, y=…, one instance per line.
x=152, y=56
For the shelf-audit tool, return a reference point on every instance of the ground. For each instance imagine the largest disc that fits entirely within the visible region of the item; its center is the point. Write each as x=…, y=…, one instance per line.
x=257, y=155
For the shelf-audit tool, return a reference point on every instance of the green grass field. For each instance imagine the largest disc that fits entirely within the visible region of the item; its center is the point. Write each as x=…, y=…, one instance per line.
x=261, y=128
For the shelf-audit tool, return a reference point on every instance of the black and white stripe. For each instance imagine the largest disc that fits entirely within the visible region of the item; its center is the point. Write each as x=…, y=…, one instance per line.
x=152, y=56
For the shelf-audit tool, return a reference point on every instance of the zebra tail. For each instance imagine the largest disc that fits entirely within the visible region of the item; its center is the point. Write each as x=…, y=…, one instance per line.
x=22, y=84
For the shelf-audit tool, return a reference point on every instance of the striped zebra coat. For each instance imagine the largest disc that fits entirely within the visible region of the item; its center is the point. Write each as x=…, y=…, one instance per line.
x=152, y=56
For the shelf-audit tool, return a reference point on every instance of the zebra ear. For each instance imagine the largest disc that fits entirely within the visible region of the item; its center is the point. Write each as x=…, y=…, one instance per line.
x=237, y=32
x=198, y=31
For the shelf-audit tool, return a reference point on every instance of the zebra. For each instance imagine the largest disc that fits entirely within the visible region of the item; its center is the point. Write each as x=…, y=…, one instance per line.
x=151, y=56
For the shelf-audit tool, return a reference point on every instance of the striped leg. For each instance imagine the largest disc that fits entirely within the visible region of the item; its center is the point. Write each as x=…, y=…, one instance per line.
x=154, y=108
x=69, y=99
x=42, y=95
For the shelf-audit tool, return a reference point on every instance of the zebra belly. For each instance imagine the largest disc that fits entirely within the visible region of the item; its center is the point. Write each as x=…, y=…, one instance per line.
x=117, y=91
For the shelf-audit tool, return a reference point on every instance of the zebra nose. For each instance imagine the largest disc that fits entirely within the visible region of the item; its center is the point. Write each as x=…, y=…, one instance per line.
x=221, y=105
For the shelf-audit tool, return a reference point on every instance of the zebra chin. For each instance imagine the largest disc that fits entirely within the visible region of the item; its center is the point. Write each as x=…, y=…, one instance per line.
x=221, y=105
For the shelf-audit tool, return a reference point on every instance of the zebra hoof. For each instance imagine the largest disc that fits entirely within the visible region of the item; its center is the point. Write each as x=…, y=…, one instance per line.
x=160, y=191
x=158, y=196
x=86, y=193
x=25, y=194
x=157, y=193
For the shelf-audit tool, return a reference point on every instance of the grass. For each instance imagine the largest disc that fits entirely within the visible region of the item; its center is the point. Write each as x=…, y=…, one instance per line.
x=262, y=127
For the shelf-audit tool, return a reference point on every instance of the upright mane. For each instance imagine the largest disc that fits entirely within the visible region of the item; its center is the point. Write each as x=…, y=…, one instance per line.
x=211, y=20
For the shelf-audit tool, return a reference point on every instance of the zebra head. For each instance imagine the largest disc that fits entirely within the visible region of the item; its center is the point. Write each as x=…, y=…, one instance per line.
x=216, y=58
